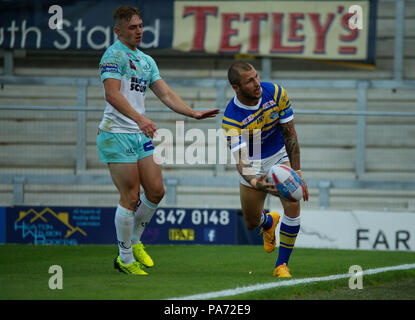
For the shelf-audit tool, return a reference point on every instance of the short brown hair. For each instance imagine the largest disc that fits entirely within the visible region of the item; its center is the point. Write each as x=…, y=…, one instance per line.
x=234, y=71
x=124, y=12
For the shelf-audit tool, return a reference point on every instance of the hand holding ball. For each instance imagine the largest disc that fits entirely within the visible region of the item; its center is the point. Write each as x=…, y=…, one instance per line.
x=288, y=183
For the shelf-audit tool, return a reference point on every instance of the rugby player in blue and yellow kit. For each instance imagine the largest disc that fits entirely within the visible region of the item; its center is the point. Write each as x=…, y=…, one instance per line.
x=259, y=126
x=124, y=135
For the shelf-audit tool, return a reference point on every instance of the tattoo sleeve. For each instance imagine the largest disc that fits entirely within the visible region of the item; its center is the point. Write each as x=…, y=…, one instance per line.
x=291, y=144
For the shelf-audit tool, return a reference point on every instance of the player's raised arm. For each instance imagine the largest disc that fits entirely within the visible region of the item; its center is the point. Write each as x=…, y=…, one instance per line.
x=175, y=103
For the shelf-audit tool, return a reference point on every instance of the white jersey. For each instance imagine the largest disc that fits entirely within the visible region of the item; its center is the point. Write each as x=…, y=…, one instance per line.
x=136, y=71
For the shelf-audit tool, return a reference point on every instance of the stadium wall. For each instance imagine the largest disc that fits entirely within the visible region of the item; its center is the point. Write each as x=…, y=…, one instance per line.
x=85, y=225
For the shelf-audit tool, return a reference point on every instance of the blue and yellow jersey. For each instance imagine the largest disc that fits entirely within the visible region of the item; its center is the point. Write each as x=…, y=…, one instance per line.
x=258, y=126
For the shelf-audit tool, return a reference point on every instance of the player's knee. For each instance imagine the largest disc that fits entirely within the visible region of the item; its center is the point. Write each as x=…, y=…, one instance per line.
x=156, y=195
x=130, y=200
x=159, y=194
x=292, y=210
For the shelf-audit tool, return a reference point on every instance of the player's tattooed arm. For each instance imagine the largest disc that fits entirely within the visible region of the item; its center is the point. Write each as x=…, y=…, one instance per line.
x=291, y=144
x=293, y=150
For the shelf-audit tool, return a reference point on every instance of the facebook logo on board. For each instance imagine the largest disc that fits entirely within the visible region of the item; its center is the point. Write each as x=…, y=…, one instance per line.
x=209, y=235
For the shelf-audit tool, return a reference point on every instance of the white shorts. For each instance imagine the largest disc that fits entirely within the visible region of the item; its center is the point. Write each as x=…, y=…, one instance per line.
x=265, y=164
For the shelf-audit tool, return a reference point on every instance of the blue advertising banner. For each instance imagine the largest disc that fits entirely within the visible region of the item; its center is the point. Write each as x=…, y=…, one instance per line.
x=86, y=25
x=60, y=225
x=192, y=226
x=86, y=225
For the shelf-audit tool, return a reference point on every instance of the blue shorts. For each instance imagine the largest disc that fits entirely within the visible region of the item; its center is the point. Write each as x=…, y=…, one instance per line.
x=123, y=147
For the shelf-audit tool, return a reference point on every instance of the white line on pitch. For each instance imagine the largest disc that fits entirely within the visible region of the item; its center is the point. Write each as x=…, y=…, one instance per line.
x=287, y=283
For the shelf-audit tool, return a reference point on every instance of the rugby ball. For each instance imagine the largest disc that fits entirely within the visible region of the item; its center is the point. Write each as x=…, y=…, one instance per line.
x=288, y=183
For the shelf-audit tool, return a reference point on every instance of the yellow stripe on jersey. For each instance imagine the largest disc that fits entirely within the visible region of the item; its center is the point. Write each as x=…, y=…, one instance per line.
x=276, y=92
x=283, y=101
x=233, y=121
x=231, y=131
x=257, y=113
x=265, y=120
x=253, y=125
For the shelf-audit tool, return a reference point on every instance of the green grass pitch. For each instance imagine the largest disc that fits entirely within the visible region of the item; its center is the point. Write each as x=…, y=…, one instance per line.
x=182, y=270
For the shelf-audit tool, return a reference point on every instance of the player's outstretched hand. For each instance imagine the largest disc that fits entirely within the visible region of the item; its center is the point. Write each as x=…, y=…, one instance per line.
x=205, y=114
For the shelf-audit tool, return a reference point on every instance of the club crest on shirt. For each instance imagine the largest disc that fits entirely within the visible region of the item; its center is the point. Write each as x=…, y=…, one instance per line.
x=146, y=68
x=273, y=114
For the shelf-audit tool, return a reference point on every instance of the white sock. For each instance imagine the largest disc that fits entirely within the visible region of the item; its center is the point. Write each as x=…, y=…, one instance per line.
x=124, y=225
x=142, y=216
x=292, y=222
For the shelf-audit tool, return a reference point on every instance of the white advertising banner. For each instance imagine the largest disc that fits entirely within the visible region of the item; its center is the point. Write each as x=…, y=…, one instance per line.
x=302, y=29
x=394, y=231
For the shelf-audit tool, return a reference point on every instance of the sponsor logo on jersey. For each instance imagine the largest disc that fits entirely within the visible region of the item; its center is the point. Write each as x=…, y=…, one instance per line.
x=248, y=119
x=109, y=67
x=268, y=104
x=138, y=84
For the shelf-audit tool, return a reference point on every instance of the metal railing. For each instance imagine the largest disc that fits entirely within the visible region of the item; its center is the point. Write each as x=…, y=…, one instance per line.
x=172, y=182
x=221, y=86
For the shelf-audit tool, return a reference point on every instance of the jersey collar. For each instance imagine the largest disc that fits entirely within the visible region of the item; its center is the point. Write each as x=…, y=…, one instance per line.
x=136, y=53
x=243, y=106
